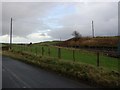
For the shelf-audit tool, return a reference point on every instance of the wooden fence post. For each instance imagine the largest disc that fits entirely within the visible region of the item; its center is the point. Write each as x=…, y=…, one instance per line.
x=30, y=49
x=59, y=53
x=42, y=51
x=20, y=48
x=98, y=59
x=73, y=55
x=48, y=51
x=25, y=47
x=36, y=50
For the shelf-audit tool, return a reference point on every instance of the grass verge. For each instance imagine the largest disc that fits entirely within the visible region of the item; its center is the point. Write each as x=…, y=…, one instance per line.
x=79, y=71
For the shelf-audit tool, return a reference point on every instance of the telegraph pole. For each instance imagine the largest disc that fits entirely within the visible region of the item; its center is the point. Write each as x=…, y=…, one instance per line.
x=60, y=38
x=11, y=33
x=92, y=29
x=60, y=41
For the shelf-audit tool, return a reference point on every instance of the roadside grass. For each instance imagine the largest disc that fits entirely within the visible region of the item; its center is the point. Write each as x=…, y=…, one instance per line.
x=89, y=74
x=0, y=52
x=82, y=56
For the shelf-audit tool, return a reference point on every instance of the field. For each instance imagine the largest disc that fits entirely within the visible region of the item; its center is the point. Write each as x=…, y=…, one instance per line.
x=69, y=54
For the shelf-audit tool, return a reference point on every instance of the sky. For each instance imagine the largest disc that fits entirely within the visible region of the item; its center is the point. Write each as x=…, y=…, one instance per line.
x=48, y=21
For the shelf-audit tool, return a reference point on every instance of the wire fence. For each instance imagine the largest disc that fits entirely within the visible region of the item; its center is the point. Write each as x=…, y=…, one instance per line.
x=94, y=58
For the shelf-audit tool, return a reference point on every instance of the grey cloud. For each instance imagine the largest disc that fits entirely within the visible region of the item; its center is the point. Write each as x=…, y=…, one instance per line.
x=42, y=34
x=104, y=15
x=63, y=33
x=25, y=16
x=119, y=18
x=0, y=18
x=29, y=18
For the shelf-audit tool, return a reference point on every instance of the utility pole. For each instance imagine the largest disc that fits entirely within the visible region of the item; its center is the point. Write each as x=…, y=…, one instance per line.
x=11, y=33
x=92, y=29
x=60, y=38
x=60, y=41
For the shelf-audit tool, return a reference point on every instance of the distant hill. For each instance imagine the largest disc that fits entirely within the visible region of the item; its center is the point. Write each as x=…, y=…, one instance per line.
x=48, y=43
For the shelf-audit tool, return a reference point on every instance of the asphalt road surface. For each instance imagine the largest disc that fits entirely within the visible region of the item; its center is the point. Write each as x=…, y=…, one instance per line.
x=16, y=74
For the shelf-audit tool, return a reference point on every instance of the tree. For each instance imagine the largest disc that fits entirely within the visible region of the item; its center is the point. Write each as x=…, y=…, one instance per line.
x=30, y=43
x=76, y=35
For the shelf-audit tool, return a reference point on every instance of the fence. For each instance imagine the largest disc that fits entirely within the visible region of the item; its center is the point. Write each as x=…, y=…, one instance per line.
x=83, y=56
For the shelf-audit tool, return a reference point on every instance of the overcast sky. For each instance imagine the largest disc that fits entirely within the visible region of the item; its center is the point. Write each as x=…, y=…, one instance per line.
x=43, y=21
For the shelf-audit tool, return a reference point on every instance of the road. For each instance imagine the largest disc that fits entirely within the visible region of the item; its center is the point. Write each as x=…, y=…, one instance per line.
x=16, y=74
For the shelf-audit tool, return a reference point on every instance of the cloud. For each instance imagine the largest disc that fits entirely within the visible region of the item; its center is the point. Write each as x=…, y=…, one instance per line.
x=38, y=37
x=0, y=18
x=41, y=21
x=16, y=39
x=33, y=37
x=105, y=18
x=27, y=17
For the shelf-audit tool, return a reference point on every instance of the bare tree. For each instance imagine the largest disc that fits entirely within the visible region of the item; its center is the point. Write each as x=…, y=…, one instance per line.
x=76, y=35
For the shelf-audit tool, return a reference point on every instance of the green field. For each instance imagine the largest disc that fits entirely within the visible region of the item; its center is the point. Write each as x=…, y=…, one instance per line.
x=81, y=56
